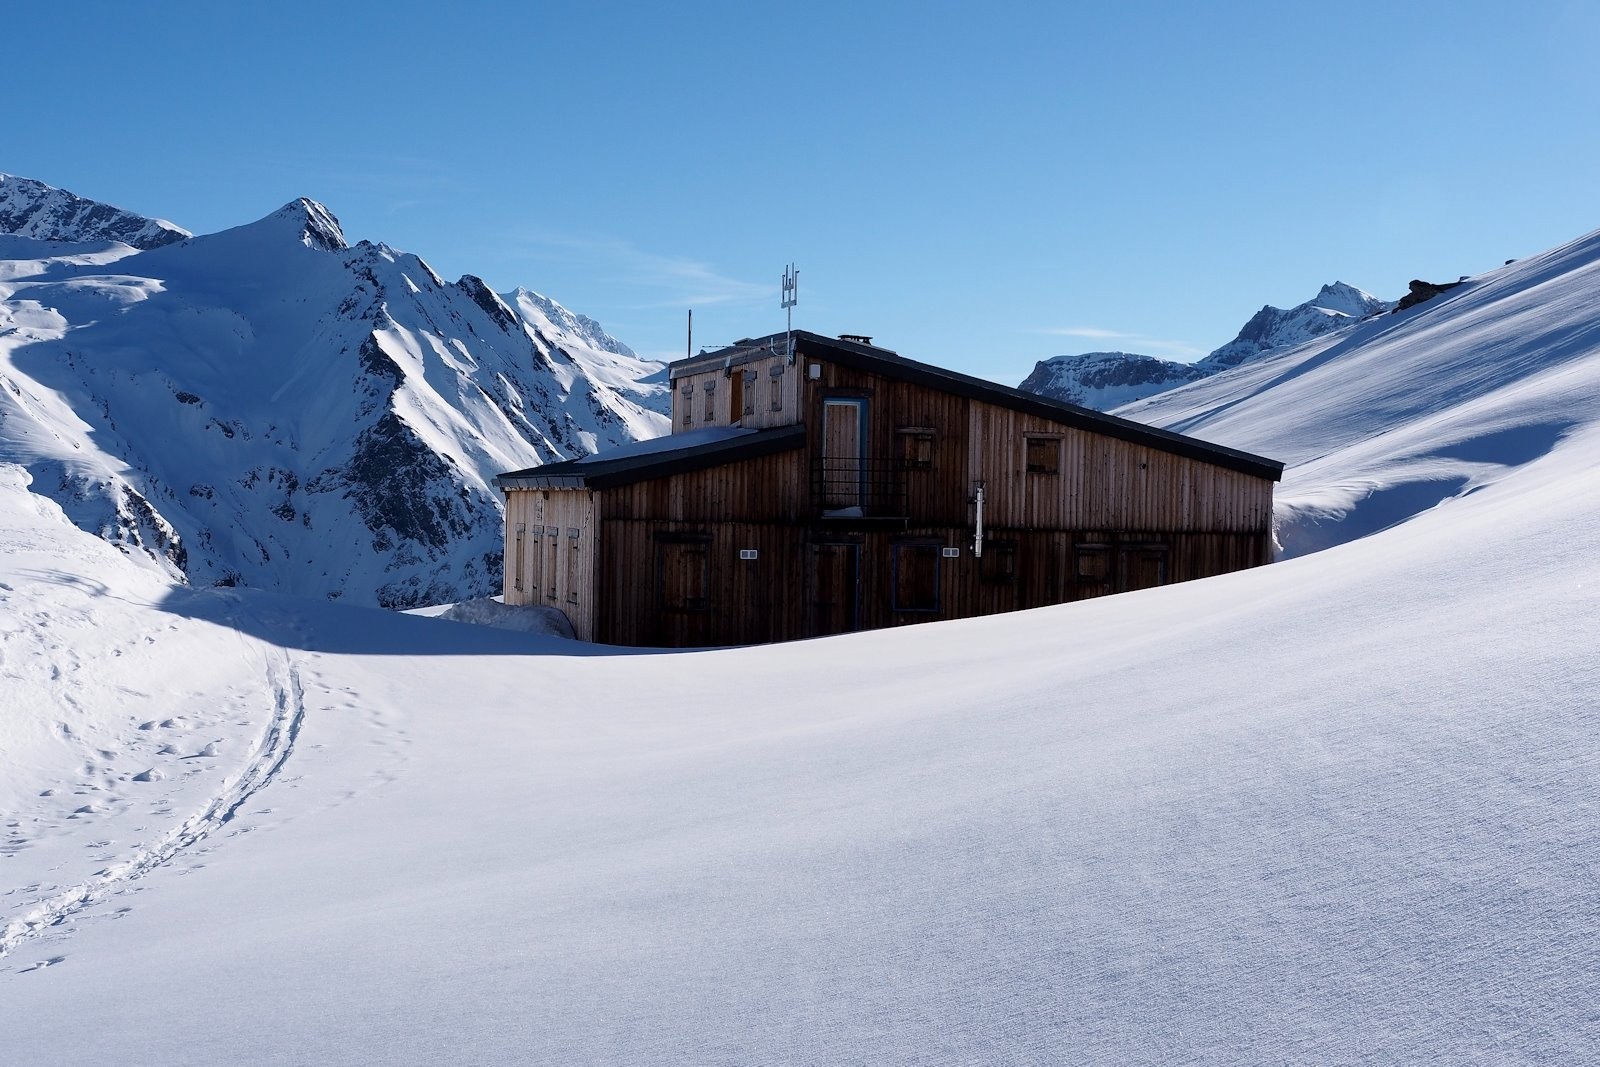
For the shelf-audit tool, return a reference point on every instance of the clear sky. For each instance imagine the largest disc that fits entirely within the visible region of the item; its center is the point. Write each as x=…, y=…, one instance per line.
x=975, y=185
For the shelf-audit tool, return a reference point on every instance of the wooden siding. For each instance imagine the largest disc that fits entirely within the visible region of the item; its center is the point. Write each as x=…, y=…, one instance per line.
x=550, y=553
x=768, y=489
x=748, y=552
x=1103, y=483
x=774, y=596
x=690, y=390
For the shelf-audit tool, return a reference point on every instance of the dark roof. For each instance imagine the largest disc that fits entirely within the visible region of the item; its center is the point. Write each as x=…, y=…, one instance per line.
x=882, y=361
x=598, y=472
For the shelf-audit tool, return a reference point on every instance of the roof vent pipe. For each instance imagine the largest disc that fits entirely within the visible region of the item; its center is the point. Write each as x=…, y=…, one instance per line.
x=856, y=338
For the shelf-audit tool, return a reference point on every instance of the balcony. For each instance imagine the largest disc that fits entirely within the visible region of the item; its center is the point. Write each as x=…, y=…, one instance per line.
x=866, y=488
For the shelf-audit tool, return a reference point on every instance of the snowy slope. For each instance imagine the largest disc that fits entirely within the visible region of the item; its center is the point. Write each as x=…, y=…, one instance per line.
x=269, y=406
x=1400, y=412
x=1342, y=809
x=1106, y=380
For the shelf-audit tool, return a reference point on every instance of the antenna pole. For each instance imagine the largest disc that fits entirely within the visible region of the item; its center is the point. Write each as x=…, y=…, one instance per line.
x=791, y=297
x=688, y=347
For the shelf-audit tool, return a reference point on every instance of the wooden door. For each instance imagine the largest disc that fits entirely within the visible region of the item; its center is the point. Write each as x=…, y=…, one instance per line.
x=1090, y=571
x=835, y=583
x=1143, y=567
x=844, y=430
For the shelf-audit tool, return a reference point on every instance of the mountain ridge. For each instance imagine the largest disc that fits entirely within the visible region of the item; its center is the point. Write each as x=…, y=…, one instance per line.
x=273, y=406
x=1105, y=380
x=30, y=208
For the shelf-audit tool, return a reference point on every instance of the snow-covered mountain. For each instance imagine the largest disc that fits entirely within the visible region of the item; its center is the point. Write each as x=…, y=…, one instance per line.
x=1334, y=307
x=1401, y=412
x=271, y=406
x=31, y=208
x=1343, y=809
x=1104, y=380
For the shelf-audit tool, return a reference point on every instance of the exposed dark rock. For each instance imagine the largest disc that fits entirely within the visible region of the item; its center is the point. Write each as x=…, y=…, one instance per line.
x=489, y=301
x=389, y=478
x=1421, y=291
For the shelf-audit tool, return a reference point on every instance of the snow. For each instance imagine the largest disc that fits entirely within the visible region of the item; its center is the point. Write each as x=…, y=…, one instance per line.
x=270, y=406
x=705, y=435
x=491, y=611
x=1108, y=380
x=1344, y=808
x=1403, y=411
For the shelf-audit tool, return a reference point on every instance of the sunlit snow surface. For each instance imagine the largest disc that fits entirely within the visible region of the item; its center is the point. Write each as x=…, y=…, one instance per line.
x=1341, y=809
x=271, y=407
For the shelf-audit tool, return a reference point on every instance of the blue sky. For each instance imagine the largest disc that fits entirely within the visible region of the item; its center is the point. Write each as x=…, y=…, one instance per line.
x=978, y=186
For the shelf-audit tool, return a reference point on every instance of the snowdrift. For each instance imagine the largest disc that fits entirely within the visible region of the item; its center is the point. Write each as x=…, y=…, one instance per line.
x=1345, y=808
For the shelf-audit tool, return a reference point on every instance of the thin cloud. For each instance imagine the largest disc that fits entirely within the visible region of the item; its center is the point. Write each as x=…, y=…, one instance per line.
x=1182, y=351
x=1082, y=331
x=682, y=282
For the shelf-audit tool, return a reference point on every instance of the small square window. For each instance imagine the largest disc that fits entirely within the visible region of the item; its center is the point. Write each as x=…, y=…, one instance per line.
x=915, y=446
x=1091, y=571
x=1044, y=455
x=999, y=561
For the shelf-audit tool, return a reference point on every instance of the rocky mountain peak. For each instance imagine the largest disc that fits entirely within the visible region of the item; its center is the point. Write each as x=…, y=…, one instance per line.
x=1334, y=306
x=30, y=208
x=319, y=228
x=1105, y=380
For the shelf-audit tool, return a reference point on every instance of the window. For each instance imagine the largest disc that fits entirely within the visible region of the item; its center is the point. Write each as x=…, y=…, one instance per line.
x=1091, y=575
x=683, y=574
x=572, y=566
x=711, y=402
x=999, y=562
x=914, y=447
x=777, y=386
x=747, y=393
x=518, y=560
x=1044, y=455
x=916, y=577
x=553, y=536
x=535, y=563
x=686, y=405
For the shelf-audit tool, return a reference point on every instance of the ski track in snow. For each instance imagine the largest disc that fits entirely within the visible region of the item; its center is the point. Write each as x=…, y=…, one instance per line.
x=266, y=761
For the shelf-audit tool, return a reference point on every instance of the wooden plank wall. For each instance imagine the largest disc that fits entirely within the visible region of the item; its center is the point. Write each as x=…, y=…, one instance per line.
x=941, y=491
x=551, y=566
x=690, y=390
x=1103, y=483
x=769, y=598
x=773, y=488
x=1151, y=512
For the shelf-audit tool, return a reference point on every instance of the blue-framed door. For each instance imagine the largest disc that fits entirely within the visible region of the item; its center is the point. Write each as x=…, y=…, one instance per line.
x=844, y=442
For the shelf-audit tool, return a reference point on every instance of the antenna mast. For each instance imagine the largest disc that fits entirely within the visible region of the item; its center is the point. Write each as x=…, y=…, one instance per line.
x=688, y=347
x=791, y=297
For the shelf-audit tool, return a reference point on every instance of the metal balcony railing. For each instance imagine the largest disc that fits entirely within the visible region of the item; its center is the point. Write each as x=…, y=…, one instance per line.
x=864, y=488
